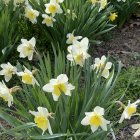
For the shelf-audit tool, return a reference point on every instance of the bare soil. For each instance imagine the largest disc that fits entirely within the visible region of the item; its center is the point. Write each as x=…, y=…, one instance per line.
x=122, y=44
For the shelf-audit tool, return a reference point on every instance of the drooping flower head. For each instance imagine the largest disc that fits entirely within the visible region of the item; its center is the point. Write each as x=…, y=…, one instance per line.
x=48, y=20
x=31, y=14
x=53, y=8
x=6, y=93
x=28, y=77
x=71, y=38
x=95, y=119
x=27, y=48
x=8, y=70
x=41, y=119
x=129, y=110
x=100, y=64
x=58, y=86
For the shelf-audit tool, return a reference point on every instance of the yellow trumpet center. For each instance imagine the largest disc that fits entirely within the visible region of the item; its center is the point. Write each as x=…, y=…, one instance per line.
x=113, y=16
x=31, y=15
x=79, y=58
x=27, y=78
x=42, y=122
x=131, y=110
x=96, y=120
x=58, y=89
x=52, y=9
x=48, y=20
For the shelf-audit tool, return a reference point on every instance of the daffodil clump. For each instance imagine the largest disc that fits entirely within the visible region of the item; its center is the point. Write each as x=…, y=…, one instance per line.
x=70, y=104
x=68, y=96
x=64, y=88
x=52, y=9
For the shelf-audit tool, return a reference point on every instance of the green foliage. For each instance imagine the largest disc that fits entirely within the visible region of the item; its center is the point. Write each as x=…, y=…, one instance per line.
x=89, y=92
x=130, y=89
x=83, y=18
x=8, y=29
x=125, y=10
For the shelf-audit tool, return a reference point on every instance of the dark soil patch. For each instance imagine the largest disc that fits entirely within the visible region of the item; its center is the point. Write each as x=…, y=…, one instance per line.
x=122, y=44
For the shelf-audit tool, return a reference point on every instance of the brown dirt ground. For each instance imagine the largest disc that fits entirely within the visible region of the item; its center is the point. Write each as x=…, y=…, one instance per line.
x=124, y=44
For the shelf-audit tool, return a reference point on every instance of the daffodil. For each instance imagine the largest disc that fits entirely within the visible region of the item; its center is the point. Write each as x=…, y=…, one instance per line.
x=31, y=14
x=129, y=110
x=6, y=93
x=27, y=48
x=53, y=8
x=113, y=16
x=28, y=77
x=83, y=45
x=48, y=20
x=71, y=38
x=103, y=4
x=8, y=70
x=77, y=56
x=95, y=119
x=136, y=126
x=41, y=119
x=58, y=86
x=100, y=65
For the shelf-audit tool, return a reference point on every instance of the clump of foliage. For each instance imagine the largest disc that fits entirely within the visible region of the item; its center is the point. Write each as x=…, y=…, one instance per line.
x=125, y=9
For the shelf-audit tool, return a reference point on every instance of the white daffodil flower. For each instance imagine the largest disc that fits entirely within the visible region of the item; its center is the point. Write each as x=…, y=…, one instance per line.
x=129, y=110
x=8, y=70
x=136, y=126
x=100, y=64
x=28, y=77
x=83, y=45
x=58, y=86
x=31, y=14
x=6, y=94
x=71, y=38
x=41, y=119
x=27, y=48
x=95, y=119
x=77, y=56
x=53, y=8
x=103, y=4
x=48, y=20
